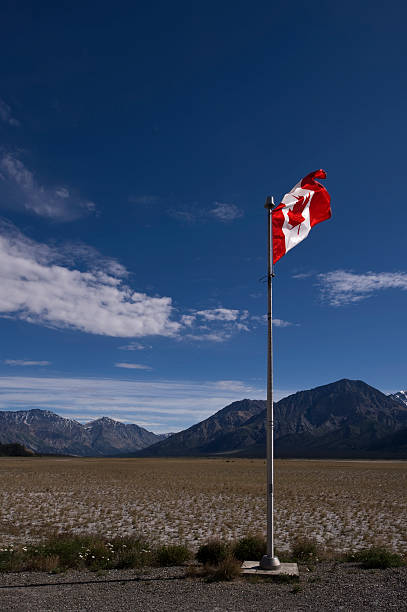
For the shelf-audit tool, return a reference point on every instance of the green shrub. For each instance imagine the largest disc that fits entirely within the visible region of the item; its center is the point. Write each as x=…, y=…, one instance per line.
x=376, y=557
x=251, y=548
x=172, y=555
x=213, y=552
x=304, y=550
x=129, y=552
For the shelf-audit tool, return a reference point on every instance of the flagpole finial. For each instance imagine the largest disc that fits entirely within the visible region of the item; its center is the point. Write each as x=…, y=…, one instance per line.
x=269, y=202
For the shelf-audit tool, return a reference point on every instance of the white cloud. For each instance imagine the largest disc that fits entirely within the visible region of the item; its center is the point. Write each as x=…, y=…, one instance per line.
x=134, y=346
x=6, y=116
x=215, y=324
x=219, y=336
x=226, y=212
x=220, y=324
x=281, y=323
x=38, y=289
x=220, y=314
x=341, y=287
x=75, y=287
x=25, y=362
x=165, y=405
x=20, y=189
x=188, y=320
x=132, y=366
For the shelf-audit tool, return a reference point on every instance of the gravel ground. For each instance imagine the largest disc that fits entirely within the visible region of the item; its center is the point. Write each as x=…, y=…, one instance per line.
x=329, y=587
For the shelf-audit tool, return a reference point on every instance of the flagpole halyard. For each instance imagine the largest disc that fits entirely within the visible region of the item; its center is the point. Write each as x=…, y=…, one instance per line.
x=269, y=561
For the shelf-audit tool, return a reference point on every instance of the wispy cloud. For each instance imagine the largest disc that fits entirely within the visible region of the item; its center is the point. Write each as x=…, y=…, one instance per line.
x=38, y=288
x=191, y=213
x=276, y=322
x=222, y=314
x=282, y=323
x=215, y=324
x=134, y=346
x=83, y=256
x=218, y=336
x=301, y=275
x=25, y=362
x=341, y=287
x=164, y=405
x=132, y=366
x=226, y=212
x=186, y=214
x=20, y=189
x=6, y=114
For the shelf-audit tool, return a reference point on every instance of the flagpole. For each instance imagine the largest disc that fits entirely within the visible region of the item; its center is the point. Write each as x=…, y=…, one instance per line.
x=269, y=561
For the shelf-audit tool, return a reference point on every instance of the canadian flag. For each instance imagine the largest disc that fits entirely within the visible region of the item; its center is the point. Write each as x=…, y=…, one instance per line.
x=300, y=209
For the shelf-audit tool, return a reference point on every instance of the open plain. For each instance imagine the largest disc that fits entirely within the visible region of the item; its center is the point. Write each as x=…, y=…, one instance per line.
x=345, y=505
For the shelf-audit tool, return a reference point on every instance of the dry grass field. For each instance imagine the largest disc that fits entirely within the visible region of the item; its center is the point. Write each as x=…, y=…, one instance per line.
x=345, y=505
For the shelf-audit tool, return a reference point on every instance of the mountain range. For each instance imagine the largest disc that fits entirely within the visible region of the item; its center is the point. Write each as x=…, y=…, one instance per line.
x=344, y=419
x=45, y=432
x=347, y=418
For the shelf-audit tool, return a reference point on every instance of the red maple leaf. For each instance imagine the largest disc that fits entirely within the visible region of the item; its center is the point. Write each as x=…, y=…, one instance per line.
x=295, y=214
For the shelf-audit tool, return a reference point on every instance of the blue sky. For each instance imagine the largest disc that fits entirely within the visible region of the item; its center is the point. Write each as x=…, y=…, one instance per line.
x=138, y=144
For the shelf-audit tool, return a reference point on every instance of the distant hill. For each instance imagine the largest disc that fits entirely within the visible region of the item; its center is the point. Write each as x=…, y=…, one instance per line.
x=15, y=450
x=47, y=433
x=208, y=437
x=347, y=418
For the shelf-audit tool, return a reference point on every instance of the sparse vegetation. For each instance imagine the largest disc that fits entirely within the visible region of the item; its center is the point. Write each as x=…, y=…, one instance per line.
x=305, y=550
x=377, y=557
x=66, y=551
x=341, y=505
x=172, y=554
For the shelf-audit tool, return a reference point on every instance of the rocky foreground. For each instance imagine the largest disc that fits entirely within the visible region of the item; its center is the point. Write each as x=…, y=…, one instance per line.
x=331, y=586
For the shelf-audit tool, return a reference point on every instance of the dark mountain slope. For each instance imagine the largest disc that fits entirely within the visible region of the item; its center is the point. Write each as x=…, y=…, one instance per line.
x=208, y=436
x=342, y=419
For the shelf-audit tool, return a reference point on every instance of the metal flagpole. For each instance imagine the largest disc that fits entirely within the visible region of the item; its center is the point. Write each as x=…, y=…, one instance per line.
x=269, y=561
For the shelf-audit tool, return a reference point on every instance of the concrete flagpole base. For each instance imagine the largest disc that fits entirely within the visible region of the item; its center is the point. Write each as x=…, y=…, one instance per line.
x=252, y=568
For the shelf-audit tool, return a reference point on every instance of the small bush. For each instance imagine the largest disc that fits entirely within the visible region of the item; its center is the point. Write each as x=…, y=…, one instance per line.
x=228, y=569
x=304, y=550
x=130, y=552
x=250, y=548
x=376, y=557
x=172, y=555
x=213, y=552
